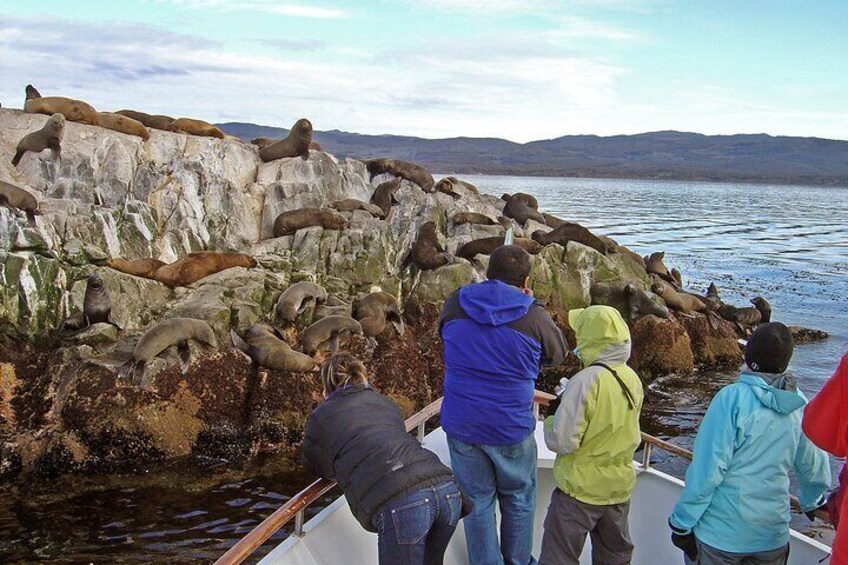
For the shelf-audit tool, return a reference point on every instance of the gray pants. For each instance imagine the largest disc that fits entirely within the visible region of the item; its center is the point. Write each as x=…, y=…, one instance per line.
x=569, y=520
x=708, y=555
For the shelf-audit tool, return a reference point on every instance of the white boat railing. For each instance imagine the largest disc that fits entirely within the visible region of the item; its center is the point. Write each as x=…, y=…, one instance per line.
x=295, y=508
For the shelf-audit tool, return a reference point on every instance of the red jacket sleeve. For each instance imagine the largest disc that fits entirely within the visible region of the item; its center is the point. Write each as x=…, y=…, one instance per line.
x=826, y=416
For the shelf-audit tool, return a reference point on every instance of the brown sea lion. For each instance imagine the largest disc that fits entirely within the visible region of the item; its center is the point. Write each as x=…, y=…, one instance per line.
x=267, y=348
x=677, y=276
x=328, y=330
x=449, y=185
x=527, y=199
x=748, y=316
x=296, y=144
x=145, y=268
x=654, y=264
x=261, y=142
x=627, y=298
x=96, y=307
x=472, y=218
x=32, y=93
x=351, y=204
x=289, y=222
x=486, y=245
x=175, y=331
x=680, y=301
x=297, y=299
x=384, y=195
x=570, y=232
x=17, y=198
x=610, y=244
x=123, y=124
x=196, y=127
x=49, y=136
x=712, y=291
x=199, y=265
x=334, y=306
x=520, y=211
x=73, y=110
x=552, y=221
x=764, y=307
x=426, y=252
x=403, y=169
x=375, y=311
x=155, y=121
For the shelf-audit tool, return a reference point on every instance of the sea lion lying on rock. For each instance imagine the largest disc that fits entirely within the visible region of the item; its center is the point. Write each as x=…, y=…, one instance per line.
x=96, y=307
x=679, y=301
x=384, y=195
x=748, y=316
x=31, y=93
x=520, y=211
x=486, y=245
x=452, y=183
x=427, y=253
x=297, y=299
x=523, y=197
x=627, y=298
x=654, y=265
x=267, y=348
x=289, y=222
x=48, y=137
x=199, y=265
x=552, y=221
x=19, y=199
x=328, y=331
x=570, y=232
x=351, y=204
x=137, y=267
x=155, y=121
x=196, y=127
x=123, y=124
x=296, y=144
x=334, y=306
x=472, y=218
x=403, y=169
x=175, y=331
x=73, y=110
x=375, y=311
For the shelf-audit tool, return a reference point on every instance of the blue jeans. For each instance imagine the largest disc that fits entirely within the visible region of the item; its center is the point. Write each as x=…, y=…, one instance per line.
x=415, y=529
x=508, y=473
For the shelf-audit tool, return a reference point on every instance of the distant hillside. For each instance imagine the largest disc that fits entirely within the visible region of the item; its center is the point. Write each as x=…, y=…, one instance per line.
x=657, y=155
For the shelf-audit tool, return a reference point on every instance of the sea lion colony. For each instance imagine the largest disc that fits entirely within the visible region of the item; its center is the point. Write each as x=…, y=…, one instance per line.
x=370, y=315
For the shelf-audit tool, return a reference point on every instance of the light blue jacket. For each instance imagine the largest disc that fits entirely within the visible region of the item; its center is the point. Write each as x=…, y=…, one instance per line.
x=736, y=497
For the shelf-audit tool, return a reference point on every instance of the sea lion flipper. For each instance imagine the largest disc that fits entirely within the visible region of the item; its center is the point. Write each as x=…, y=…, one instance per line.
x=239, y=343
x=31, y=219
x=334, y=344
x=17, y=158
x=185, y=355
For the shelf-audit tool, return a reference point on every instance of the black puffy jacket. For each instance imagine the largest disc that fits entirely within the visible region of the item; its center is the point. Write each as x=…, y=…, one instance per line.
x=357, y=438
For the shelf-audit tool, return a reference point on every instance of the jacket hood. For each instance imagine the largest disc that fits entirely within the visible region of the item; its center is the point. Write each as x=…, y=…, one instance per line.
x=781, y=401
x=494, y=303
x=602, y=335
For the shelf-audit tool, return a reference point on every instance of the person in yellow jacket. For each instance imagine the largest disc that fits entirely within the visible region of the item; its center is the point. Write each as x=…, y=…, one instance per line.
x=594, y=432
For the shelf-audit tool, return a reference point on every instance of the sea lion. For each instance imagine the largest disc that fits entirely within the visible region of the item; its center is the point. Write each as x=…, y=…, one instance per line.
x=296, y=144
x=32, y=93
x=145, y=268
x=570, y=232
x=49, y=136
x=654, y=265
x=527, y=199
x=17, y=198
x=199, y=265
x=448, y=185
x=261, y=142
x=123, y=124
x=472, y=218
x=297, y=298
x=175, y=331
x=96, y=306
x=677, y=276
x=627, y=298
x=712, y=291
x=384, y=195
x=426, y=252
x=155, y=121
x=328, y=329
x=680, y=301
x=520, y=211
x=351, y=204
x=749, y=315
x=486, y=245
x=375, y=311
x=289, y=222
x=552, y=221
x=196, y=127
x=73, y=110
x=267, y=348
x=764, y=307
x=403, y=169
x=334, y=306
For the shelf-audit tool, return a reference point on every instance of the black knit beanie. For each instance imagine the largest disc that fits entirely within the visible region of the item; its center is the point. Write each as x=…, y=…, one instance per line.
x=769, y=348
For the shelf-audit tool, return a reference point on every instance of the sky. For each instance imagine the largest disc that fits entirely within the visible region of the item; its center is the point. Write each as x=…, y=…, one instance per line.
x=516, y=69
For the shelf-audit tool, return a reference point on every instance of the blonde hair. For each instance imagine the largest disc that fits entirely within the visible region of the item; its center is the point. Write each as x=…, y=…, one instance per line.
x=342, y=369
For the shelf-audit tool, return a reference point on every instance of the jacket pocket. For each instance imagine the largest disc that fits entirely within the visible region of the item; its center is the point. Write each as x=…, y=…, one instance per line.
x=454, y=503
x=412, y=522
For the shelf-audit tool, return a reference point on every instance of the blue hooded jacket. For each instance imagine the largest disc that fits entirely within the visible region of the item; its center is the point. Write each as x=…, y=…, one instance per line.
x=495, y=339
x=736, y=497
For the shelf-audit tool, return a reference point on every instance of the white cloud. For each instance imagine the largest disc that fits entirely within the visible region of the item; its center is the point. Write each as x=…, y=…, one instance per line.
x=264, y=6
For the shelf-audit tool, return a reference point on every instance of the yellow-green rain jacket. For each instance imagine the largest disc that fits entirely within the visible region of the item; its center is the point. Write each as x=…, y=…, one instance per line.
x=595, y=430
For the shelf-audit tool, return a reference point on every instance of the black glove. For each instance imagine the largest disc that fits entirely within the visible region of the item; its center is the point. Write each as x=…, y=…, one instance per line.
x=685, y=543
x=553, y=405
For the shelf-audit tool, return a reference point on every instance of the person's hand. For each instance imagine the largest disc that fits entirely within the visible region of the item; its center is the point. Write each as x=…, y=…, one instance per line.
x=527, y=290
x=811, y=514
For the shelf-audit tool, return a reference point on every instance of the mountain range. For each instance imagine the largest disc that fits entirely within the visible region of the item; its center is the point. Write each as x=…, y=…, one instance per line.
x=668, y=155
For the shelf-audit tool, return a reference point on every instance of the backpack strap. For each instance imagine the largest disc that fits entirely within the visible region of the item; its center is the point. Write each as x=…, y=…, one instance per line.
x=624, y=389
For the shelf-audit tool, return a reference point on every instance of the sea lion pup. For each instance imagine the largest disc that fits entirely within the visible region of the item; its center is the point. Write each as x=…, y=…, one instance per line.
x=145, y=268
x=267, y=348
x=426, y=252
x=351, y=204
x=31, y=93
x=486, y=245
x=289, y=222
x=375, y=311
x=627, y=298
x=448, y=185
x=196, y=127
x=328, y=330
x=96, y=307
x=520, y=211
x=571, y=232
x=73, y=110
x=764, y=307
x=48, y=137
x=175, y=331
x=155, y=121
x=296, y=144
x=552, y=221
x=677, y=276
x=297, y=299
x=19, y=199
x=403, y=169
x=527, y=199
x=472, y=218
x=654, y=265
x=384, y=195
x=680, y=301
x=199, y=265
x=123, y=124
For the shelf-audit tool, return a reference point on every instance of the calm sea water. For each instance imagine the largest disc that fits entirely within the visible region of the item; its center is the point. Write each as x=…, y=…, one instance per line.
x=785, y=243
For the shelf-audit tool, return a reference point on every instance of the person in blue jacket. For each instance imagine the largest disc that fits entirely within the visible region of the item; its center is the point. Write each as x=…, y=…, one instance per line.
x=496, y=337
x=734, y=508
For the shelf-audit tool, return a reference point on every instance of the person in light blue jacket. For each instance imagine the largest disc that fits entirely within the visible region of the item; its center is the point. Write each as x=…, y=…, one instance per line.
x=734, y=508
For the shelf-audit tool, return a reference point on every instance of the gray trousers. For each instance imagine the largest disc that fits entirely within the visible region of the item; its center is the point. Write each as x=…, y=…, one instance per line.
x=708, y=555
x=569, y=520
